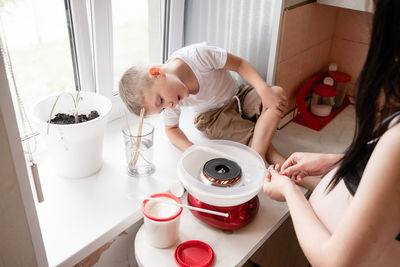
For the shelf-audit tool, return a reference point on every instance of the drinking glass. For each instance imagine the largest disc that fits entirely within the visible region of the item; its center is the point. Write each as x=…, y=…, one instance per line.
x=139, y=149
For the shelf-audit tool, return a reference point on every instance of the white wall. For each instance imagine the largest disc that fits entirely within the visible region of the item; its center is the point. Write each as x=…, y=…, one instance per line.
x=16, y=247
x=21, y=242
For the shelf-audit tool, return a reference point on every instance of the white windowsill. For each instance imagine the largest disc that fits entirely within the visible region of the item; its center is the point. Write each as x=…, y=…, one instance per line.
x=80, y=215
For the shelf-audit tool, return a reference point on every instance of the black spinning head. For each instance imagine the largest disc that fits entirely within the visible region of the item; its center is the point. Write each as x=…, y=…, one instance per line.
x=222, y=171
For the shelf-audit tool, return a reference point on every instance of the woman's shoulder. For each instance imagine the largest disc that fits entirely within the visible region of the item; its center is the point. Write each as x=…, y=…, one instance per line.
x=392, y=136
x=386, y=155
x=388, y=146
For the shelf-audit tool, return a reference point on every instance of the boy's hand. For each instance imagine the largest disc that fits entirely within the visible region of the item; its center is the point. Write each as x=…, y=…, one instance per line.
x=275, y=98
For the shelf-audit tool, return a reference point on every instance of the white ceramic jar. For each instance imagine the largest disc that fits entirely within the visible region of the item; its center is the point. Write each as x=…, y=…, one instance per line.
x=161, y=220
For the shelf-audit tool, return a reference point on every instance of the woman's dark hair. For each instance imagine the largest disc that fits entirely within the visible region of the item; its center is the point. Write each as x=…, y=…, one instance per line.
x=381, y=72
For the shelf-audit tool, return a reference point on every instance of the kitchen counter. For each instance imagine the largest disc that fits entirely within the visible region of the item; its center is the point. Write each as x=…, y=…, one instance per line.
x=80, y=215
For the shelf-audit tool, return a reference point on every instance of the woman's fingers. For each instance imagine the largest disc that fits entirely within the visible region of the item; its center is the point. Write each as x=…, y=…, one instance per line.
x=277, y=167
x=300, y=176
x=268, y=176
x=291, y=171
x=293, y=176
x=289, y=162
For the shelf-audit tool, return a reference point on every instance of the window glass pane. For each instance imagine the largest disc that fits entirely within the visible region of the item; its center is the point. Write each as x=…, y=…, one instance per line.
x=130, y=34
x=37, y=37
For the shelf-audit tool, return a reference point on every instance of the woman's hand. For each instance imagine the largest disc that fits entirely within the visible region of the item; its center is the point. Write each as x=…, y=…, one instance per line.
x=302, y=164
x=274, y=97
x=276, y=184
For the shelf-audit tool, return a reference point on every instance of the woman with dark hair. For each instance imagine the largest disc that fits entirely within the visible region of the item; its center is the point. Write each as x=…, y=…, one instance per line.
x=353, y=216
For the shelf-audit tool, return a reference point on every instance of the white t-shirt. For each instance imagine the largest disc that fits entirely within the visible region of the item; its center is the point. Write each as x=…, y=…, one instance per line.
x=216, y=85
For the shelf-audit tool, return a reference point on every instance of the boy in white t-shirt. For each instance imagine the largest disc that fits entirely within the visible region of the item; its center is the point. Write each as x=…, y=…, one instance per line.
x=197, y=76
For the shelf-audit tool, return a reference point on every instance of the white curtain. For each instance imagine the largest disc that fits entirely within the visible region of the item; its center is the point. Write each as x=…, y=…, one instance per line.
x=242, y=27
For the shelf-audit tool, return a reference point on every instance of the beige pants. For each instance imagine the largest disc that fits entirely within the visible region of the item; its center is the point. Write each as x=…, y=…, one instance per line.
x=227, y=123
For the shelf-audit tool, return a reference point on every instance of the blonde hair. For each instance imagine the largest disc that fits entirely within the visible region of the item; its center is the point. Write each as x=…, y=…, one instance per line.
x=132, y=86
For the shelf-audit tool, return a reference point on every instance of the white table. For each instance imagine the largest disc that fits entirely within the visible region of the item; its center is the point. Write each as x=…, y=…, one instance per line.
x=231, y=247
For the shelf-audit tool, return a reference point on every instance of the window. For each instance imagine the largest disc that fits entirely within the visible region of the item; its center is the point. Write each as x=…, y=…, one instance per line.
x=64, y=45
x=131, y=35
x=36, y=35
x=134, y=37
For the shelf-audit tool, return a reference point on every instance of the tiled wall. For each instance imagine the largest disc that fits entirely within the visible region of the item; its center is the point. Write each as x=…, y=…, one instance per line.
x=314, y=35
x=351, y=41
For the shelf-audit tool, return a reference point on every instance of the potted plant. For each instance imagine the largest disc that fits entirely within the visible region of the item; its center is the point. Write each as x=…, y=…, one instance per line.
x=76, y=148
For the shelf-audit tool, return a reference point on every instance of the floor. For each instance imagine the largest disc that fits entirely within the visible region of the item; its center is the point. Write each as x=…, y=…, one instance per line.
x=334, y=138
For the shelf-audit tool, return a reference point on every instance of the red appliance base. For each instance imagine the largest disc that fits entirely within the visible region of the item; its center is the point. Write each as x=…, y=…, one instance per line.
x=302, y=115
x=239, y=215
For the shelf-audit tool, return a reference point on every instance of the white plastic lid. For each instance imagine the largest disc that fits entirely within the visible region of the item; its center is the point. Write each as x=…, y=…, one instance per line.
x=333, y=67
x=191, y=163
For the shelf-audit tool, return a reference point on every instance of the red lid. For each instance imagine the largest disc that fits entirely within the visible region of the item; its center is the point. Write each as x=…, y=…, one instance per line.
x=173, y=216
x=339, y=76
x=194, y=253
x=324, y=90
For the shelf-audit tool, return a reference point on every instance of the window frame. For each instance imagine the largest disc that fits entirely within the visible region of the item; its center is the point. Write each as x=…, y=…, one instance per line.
x=176, y=25
x=102, y=36
x=81, y=58
x=276, y=19
x=92, y=57
x=16, y=150
x=82, y=45
x=103, y=55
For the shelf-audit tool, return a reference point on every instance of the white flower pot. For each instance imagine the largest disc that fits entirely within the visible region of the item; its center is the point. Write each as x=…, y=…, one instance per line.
x=76, y=149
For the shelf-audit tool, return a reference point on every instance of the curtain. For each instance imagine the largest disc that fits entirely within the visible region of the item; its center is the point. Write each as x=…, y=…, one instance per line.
x=242, y=27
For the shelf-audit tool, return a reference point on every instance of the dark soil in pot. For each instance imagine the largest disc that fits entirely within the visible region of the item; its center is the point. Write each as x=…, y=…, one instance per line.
x=63, y=118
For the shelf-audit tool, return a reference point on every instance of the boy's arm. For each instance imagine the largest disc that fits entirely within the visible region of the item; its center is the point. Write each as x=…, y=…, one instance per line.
x=272, y=97
x=177, y=137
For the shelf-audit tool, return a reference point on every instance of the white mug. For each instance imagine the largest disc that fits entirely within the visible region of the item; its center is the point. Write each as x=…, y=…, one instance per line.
x=161, y=221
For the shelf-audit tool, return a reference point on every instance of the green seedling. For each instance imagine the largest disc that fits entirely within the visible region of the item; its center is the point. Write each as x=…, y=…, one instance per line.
x=76, y=101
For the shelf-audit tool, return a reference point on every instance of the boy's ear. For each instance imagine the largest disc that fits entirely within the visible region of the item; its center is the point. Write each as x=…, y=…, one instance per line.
x=156, y=72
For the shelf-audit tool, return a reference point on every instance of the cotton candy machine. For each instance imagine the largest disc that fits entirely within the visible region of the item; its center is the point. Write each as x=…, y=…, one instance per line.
x=223, y=176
